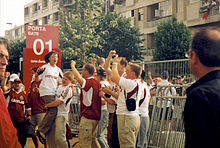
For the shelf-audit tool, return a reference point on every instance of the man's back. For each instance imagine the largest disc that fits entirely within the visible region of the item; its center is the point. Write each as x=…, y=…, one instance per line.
x=202, y=112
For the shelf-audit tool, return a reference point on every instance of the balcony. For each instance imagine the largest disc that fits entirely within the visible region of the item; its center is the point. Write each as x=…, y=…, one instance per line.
x=67, y=3
x=155, y=23
x=45, y=9
x=211, y=12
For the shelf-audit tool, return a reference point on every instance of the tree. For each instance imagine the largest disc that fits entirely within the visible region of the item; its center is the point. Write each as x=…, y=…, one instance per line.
x=172, y=40
x=15, y=52
x=116, y=33
x=77, y=35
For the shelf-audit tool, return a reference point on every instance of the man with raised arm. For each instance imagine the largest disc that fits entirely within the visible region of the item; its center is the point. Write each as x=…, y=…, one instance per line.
x=90, y=105
x=128, y=120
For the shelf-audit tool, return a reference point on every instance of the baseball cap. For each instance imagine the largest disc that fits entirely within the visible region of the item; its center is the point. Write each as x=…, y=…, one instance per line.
x=14, y=77
x=157, y=79
x=101, y=72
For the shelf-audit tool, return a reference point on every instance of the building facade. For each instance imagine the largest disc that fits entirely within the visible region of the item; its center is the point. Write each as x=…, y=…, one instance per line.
x=37, y=12
x=145, y=14
x=44, y=12
x=148, y=14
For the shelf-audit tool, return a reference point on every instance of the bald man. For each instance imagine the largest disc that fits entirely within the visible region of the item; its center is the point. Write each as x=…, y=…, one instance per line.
x=202, y=108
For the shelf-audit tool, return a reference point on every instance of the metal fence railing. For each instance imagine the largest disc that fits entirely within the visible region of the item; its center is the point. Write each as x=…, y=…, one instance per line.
x=166, y=127
x=174, y=67
x=74, y=114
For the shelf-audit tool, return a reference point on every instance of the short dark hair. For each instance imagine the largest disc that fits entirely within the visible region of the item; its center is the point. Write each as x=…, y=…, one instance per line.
x=123, y=61
x=4, y=41
x=143, y=74
x=47, y=56
x=90, y=68
x=165, y=74
x=206, y=47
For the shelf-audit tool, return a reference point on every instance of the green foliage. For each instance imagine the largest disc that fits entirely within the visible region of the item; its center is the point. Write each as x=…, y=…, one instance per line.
x=88, y=34
x=172, y=40
x=77, y=33
x=15, y=52
x=116, y=33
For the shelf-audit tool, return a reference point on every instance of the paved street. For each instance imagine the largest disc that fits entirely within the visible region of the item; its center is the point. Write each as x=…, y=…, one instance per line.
x=31, y=145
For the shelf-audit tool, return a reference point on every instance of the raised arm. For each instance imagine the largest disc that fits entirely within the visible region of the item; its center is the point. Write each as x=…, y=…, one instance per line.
x=76, y=74
x=115, y=77
x=108, y=62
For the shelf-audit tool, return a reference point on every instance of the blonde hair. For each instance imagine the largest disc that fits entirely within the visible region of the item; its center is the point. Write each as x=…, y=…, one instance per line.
x=69, y=75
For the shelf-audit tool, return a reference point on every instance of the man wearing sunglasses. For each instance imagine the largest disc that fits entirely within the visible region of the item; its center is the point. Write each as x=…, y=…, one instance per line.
x=18, y=108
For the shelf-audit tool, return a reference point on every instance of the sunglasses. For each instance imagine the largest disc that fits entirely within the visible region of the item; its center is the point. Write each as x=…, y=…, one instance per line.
x=17, y=82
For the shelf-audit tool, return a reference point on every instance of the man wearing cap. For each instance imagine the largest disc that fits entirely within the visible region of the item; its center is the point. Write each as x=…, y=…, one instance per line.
x=8, y=133
x=18, y=108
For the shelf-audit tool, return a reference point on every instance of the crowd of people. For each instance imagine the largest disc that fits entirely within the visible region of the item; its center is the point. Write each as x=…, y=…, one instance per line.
x=115, y=97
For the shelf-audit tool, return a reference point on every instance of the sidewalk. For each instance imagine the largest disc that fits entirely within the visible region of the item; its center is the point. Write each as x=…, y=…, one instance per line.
x=30, y=143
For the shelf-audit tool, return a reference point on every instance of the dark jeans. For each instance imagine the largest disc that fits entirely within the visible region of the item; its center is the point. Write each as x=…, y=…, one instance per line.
x=114, y=139
x=21, y=132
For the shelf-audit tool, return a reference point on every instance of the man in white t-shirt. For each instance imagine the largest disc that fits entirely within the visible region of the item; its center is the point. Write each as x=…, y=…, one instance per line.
x=114, y=91
x=128, y=121
x=169, y=91
x=143, y=112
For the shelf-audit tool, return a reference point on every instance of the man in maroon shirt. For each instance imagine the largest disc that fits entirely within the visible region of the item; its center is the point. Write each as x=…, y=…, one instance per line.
x=90, y=106
x=37, y=107
x=8, y=133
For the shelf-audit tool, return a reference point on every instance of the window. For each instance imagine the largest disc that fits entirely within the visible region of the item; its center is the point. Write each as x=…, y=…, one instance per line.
x=35, y=22
x=140, y=14
x=45, y=20
x=35, y=7
x=132, y=13
x=67, y=1
x=45, y=3
x=56, y=16
x=25, y=26
x=17, y=33
x=26, y=11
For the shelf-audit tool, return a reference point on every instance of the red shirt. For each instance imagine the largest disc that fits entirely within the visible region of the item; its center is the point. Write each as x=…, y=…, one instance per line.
x=36, y=102
x=8, y=133
x=16, y=105
x=91, y=89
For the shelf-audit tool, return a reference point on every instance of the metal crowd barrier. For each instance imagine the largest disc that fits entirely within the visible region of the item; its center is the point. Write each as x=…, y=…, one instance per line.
x=175, y=67
x=166, y=127
x=74, y=114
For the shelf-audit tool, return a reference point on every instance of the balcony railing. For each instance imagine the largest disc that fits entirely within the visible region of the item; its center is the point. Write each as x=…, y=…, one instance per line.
x=214, y=11
x=155, y=23
x=45, y=9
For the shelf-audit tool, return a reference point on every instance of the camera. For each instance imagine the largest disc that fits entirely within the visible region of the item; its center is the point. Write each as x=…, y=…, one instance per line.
x=107, y=95
x=41, y=71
